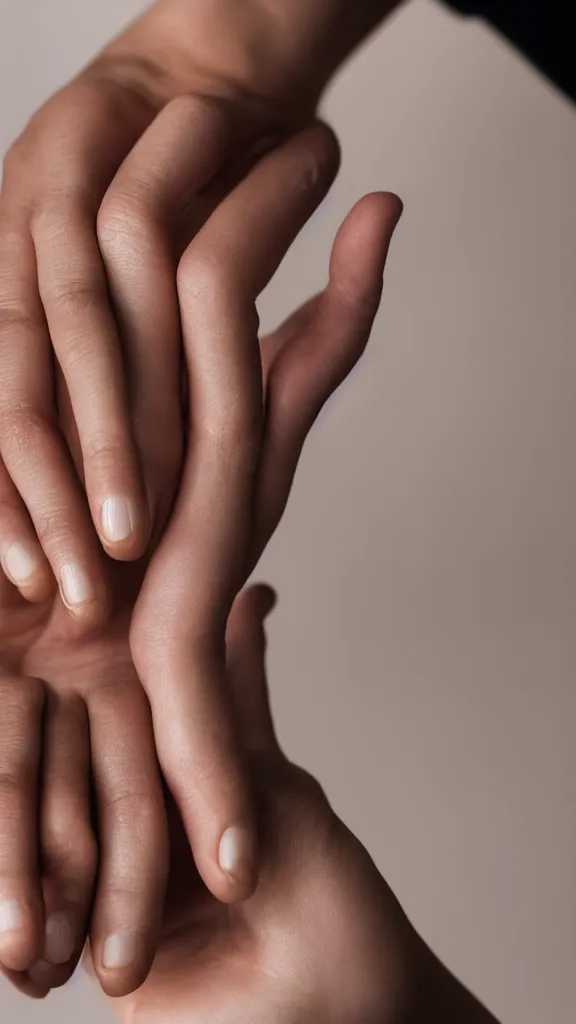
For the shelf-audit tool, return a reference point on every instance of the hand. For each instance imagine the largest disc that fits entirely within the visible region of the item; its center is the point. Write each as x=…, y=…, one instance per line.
x=323, y=939
x=245, y=441
x=101, y=195
x=104, y=188
x=77, y=759
x=97, y=727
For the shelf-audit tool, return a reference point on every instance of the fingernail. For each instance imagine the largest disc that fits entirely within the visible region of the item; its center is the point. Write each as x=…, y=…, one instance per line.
x=235, y=852
x=116, y=519
x=11, y=916
x=75, y=586
x=120, y=950
x=19, y=564
x=59, y=940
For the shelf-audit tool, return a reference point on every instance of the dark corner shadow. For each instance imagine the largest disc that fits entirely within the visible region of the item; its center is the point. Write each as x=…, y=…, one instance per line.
x=541, y=29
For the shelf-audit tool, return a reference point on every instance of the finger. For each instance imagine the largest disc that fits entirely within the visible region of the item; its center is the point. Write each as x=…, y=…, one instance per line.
x=21, y=556
x=172, y=162
x=31, y=447
x=245, y=659
x=180, y=654
x=68, y=843
x=24, y=984
x=74, y=293
x=295, y=324
x=21, y=911
x=132, y=832
x=68, y=426
x=309, y=368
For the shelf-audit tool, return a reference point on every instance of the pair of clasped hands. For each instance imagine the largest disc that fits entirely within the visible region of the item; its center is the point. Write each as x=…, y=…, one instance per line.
x=148, y=442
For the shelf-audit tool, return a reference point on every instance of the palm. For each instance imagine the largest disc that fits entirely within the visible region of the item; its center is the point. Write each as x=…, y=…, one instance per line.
x=42, y=640
x=300, y=940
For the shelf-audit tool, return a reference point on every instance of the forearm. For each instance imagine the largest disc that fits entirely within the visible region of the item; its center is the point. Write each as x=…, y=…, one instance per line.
x=280, y=51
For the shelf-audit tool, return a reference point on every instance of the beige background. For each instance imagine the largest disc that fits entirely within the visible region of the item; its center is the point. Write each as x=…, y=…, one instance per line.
x=423, y=657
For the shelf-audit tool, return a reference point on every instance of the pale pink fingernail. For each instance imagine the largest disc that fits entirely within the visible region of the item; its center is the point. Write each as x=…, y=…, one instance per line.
x=59, y=940
x=11, y=916
x=116, y=518
x=235, y=851
x=120, y=950
x=75, y=585
x=20, y=564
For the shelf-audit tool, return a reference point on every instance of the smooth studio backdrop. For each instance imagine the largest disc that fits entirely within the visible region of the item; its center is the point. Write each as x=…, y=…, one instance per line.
x=423, y=655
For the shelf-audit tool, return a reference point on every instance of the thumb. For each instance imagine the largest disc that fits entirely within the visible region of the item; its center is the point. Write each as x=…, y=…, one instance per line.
x=327, y=339
x=246, y=665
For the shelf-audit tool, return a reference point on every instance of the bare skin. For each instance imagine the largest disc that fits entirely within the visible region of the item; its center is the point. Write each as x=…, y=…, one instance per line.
x=323, y=940
x=76, y=716
x=103, y=196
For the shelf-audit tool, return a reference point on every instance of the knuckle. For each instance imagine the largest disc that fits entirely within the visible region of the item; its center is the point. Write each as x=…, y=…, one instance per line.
x=69, y=846
x=23, y=428
x=20, y=698
x=76, y=298
x=190, y=105
x=16, y=316
x=116, y=701
x=108, y=452
x=201, y=279
x=79, y=348
x=52, y=526
x=124, y=214
x=221, y=776
x=52, y=215
x=17, y=775
x=133, y=806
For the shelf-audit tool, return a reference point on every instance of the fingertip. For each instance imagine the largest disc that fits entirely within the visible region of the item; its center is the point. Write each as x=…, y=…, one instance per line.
x=262, y=598
x=20, y=936
x=85, y=595
x=370, y=223
x=360, y=250
x=27, y=569
x=124, y=528
x=238, y=863
x=330, y=142
x=325, y=146
x=122, y=962
x=25, y=984
x=387, y=204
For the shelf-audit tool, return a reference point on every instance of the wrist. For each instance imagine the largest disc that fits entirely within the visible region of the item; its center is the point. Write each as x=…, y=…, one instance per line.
x=278, y=52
